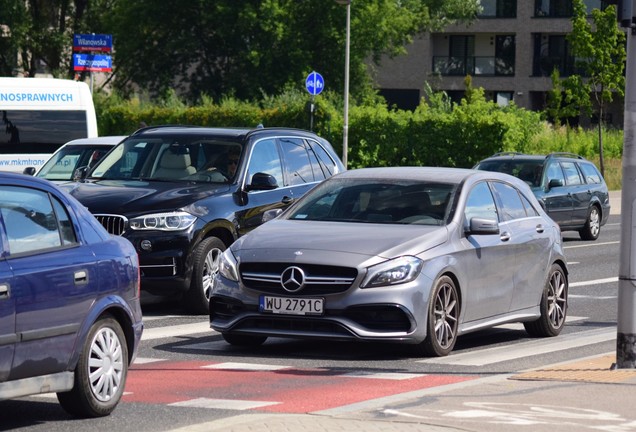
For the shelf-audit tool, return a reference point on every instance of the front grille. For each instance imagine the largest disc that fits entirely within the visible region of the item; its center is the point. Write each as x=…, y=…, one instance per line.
x=319, y=279
x=114, y=224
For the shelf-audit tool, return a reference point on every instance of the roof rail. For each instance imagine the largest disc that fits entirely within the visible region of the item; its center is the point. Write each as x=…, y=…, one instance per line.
x=508, y=153
x=568, y=154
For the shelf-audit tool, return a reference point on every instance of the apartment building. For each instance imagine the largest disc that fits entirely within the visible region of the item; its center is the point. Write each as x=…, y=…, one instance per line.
x=510, y=51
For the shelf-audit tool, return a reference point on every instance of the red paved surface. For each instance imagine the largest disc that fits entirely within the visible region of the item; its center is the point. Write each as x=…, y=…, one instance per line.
x=295, y=390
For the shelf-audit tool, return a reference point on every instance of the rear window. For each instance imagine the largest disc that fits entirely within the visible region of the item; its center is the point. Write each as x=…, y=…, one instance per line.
x=529, y=171
x=590, y=173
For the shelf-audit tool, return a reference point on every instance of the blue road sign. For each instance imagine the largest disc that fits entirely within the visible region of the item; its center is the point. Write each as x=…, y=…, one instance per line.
x=314, y=83
x=92, y=63
x=93, y=42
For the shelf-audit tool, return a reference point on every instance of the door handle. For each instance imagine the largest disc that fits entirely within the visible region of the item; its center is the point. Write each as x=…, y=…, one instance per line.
x=81, y=277
x=287, y=200
x=540, y=228
x=4, y=291
x=505, y=236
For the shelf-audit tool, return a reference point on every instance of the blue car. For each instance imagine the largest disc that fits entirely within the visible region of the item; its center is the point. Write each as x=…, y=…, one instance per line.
x=70, y=315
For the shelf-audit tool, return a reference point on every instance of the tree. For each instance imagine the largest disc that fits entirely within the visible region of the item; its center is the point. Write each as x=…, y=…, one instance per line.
x=599, y=50
x=250, y=47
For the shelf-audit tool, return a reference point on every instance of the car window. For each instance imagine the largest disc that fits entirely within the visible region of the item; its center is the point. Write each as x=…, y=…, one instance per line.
x=265, y=159
x=530, y=210
x=554, y=171
x=511, y=205
x=572, y=176
x=323, y=166
x=297, y=163
x=480, y=203
x=31, y=221
x=590, y=173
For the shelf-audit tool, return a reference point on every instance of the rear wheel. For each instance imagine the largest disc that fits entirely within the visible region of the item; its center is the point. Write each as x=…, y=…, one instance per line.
x=592, y=227
x=244, y=340
x=100, y=374
x=442, y=320
x=553, y=307
x=205, y=267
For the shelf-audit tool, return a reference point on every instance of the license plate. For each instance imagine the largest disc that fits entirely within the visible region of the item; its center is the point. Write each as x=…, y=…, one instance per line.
x=291, y=305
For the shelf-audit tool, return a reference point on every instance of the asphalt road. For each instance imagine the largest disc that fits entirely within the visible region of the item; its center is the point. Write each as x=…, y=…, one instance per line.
x=186, y=374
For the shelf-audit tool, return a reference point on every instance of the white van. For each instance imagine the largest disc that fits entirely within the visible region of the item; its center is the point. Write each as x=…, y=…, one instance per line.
x=38, y=116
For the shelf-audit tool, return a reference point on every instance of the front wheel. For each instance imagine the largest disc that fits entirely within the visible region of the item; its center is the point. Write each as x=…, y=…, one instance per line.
x=442, y=320
x=592, y=227
x=553, y=307
x=100, y=374
x=205, y=267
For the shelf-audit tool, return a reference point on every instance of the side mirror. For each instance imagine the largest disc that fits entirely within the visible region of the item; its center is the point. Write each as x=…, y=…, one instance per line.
x=481, y=226
x=555, y=183
x=80, y=173
x=29, y=171
x=262, y=181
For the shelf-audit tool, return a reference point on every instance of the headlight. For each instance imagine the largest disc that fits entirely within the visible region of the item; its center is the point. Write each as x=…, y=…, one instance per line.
x=172, y=221
x=396, y=271
x=228, y=267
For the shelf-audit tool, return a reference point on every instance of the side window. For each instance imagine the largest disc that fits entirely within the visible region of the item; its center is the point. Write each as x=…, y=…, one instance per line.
x=297, y=164
x=265, y=159
x=323, y=166
x=480, y=203
x=590, y=173
x=554, y=172
x=530, y=210
x=65, y=224
x=572, y=176
x=511, y=205
x=29, y=219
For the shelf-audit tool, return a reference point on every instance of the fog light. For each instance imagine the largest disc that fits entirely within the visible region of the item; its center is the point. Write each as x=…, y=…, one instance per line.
x=146, y=245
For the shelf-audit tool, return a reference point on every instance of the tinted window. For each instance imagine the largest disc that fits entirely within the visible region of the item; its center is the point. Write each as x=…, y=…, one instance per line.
x=30, y=220
x=297, y=164
x=40, y=131
x=323, y=166
x=572, y=176
x=480, y=203
x=590, y=173
x=67, y=232
x=265, y=159
x=512, y=207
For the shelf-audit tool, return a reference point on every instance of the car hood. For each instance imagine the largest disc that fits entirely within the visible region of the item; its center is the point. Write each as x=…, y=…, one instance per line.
x=139, y=196
x=337, y=242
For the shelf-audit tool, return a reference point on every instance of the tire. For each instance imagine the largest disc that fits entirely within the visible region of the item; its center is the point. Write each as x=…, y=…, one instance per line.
x=100, y=374
x=442, y=320
x=592, y=227
x=205, y=267
x=244, y=340
x=554, y=304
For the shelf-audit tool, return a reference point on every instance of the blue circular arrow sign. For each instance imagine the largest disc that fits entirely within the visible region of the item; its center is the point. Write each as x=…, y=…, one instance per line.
x=314, y=83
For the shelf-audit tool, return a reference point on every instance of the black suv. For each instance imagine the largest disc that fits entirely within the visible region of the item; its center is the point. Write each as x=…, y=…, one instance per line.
x=183, y=194
x=569, y=187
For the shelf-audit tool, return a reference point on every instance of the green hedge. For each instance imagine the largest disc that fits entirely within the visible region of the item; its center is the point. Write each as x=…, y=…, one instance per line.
x=437, y=133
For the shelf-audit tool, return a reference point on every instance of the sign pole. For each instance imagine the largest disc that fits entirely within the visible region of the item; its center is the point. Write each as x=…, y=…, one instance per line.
x=626, y=322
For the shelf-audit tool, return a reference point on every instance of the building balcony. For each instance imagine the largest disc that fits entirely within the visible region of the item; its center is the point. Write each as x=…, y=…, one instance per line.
x=474, y=66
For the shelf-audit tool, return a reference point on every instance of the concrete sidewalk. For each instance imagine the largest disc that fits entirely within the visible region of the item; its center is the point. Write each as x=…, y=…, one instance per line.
x=615, y=202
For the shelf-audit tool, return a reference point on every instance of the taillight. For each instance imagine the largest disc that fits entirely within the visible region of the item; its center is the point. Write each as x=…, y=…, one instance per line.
x=138, y=277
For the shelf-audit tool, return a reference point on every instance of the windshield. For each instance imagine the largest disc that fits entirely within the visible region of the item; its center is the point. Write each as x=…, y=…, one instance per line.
x=170, y=158
x=377, y=201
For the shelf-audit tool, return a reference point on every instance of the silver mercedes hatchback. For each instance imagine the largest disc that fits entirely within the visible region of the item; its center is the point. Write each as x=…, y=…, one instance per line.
x=414, y=255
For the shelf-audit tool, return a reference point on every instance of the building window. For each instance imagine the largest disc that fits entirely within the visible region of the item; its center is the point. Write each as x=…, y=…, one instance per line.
x=503, y=98
x=553, y=8
x=498, y=9
x=505, y=55
x=551, y=52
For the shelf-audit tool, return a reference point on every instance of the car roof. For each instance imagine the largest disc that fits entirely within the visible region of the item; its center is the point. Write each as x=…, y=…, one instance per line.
x=230, y=132
x=524, y=156
x=441, y=174
x=103, y=140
